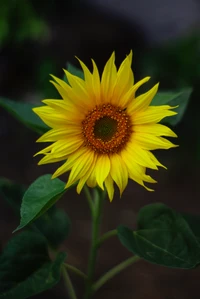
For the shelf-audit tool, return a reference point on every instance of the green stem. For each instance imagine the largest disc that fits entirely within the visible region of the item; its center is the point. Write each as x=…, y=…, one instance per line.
x=68, y=283
x=107, y=236
x=75, y=270
x=96, y=219
x=89, y=198
x=114, y=271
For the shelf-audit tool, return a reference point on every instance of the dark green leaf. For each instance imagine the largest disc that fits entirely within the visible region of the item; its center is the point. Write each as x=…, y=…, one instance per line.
x=180, y=98
x=39, y=197
x=25, y=267
x=23, y=112
x=54, y=225
x=163, y=237
x=194, y=223
x=74, y=71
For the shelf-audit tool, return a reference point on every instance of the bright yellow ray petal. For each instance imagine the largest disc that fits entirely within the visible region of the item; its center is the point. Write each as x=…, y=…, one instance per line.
x=63, y=92
x=109, y=184
x=60, y=134
x=45, y=150
x=60, y=150
x=70, y=162
x=66, y=147
x=151, y=142
x=102, y=169
x=77, y=84
x=129, y=97
x=49, y=158
x=152, y=114
x=84, y=179
x=155, y=160
x=135, y=171
x=124, y=80
x=71, y=95
x=108, y=79
x=61, y=106
x=51, y=117
x=80, y=167
x=96, y=83
x=140, y=156
x=87, y=74
x=143, y=101
x=119, y=172
x=155, y=129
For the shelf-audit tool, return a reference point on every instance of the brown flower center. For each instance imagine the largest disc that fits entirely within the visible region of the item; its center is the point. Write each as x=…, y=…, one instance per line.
x=106, y=129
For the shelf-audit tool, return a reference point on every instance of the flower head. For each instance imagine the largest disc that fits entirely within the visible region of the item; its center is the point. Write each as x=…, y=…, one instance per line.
x=102, y=130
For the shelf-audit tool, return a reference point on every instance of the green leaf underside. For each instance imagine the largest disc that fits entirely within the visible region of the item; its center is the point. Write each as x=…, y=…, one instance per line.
x=25, y=267
x=180, y=98
x=163, y=237
x=74, y=71
x=39, y=197
x=194, y=223
x=23, y=112
x=54, y=225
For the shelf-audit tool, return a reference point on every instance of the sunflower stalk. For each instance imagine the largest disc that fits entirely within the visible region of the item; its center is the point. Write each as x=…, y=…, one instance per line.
x=96, y=220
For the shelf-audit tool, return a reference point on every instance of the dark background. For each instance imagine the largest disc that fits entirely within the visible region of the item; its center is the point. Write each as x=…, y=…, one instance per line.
x=38, y=38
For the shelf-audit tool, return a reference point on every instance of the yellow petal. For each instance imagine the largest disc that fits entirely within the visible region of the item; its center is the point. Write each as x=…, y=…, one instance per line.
x=140, y=156
x=78, y=85
x=96, y=84
x=143, y=101
x=76, y=96
x=152, y=114
x=127, y=99
x=51, y=117
x=136, y=172
x=124, y=80
x=84, y=179
x=70, y=162
x=151, y=142
x=60, y=150
x=109, y=187
x=102, y=169
x=68, y=108
x=154, y=159
x=60, y=134
x=119, y=172
x=155, y=129
x=80, y=167
x=49, y=158
x=108, y=79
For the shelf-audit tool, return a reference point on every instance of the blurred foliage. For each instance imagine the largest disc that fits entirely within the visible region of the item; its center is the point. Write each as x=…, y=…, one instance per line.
x=19, y=21
x=175, y=63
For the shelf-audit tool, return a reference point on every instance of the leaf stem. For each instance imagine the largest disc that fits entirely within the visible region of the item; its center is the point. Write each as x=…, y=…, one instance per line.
x=68, y=283
x=106, y=236
x=114, y=271
x=75, y=270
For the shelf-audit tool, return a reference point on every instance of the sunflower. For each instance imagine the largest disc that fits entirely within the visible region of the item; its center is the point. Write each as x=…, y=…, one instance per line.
x=102, y=130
